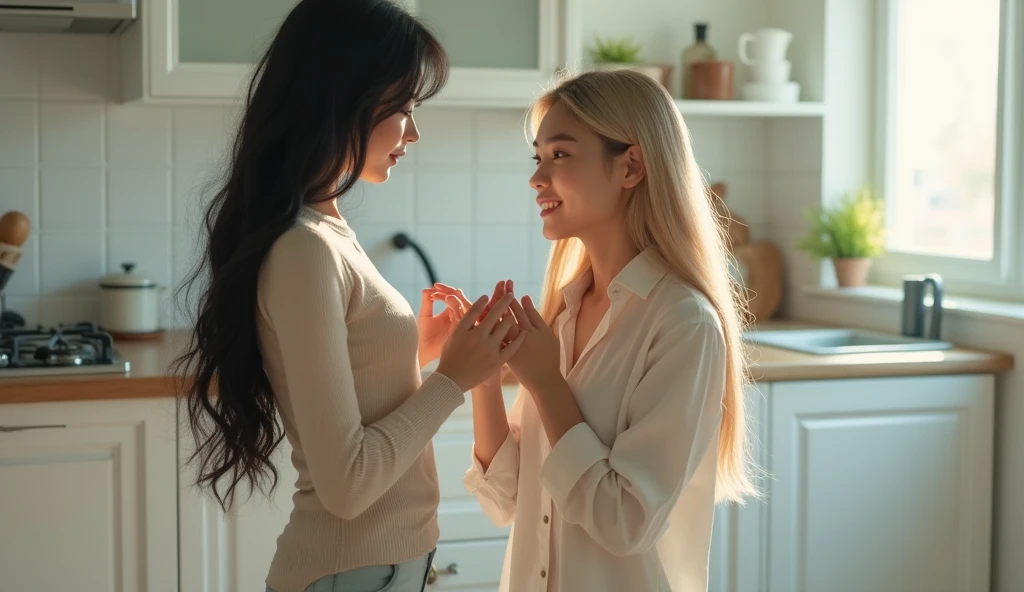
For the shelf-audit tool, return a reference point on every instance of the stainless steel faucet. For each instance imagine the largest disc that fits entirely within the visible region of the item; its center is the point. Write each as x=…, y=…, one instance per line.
x=914, y=289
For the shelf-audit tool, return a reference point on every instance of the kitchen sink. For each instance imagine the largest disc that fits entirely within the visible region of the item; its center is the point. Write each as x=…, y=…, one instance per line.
x=826, y=342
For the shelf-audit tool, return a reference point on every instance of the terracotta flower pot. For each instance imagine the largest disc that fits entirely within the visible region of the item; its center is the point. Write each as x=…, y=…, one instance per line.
x=660, y=74
x=852, y=271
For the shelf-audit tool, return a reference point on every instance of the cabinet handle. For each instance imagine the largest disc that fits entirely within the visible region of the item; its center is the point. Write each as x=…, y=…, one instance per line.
x=451, y=570
x=29, y=427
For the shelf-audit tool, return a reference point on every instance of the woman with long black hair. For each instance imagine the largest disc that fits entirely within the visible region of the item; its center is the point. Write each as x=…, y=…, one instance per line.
x=295, y=322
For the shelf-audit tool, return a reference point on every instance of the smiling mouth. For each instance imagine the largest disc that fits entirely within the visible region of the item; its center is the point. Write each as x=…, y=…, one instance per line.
x=549, y=206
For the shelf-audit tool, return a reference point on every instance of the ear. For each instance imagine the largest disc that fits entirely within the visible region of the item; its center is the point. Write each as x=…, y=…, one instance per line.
x=635, y=169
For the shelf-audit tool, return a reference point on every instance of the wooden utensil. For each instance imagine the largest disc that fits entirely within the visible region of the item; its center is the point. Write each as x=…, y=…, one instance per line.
x=14, y=229
x=736, y=227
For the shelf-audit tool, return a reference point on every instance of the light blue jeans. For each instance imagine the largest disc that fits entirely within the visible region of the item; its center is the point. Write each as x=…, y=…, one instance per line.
x=410, y=576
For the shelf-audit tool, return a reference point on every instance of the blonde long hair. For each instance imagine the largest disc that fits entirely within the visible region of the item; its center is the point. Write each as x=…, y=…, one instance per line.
x=670, y=210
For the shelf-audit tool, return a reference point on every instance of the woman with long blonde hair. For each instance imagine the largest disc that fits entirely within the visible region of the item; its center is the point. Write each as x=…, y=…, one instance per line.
x=630, y=424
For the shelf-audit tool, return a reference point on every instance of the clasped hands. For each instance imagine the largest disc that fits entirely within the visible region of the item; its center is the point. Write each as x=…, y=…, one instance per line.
x=516, y=330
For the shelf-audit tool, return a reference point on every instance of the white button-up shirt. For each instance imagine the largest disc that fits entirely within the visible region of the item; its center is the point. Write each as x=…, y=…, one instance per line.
x=623, y=502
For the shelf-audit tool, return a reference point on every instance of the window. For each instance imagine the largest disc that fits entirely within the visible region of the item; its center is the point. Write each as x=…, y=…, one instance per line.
x=950, y=155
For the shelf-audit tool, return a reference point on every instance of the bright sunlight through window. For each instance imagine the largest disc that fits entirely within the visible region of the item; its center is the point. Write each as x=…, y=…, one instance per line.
x=946, y=97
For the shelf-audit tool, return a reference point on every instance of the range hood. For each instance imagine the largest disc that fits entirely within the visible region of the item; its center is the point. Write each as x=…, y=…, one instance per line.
x=66, y=16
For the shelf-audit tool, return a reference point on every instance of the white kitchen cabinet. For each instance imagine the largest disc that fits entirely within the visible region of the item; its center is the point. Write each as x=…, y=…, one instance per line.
x=87, y=496
x=198, y=51
x=229, y=552
x=468, y=566
x=735, y=559
x=880, y=484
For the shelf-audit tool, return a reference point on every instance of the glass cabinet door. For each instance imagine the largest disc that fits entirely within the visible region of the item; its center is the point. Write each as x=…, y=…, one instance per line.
x=485, y=33
x=227, y=31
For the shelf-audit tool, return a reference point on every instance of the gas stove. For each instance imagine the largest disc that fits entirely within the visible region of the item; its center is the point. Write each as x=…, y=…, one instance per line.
x=80, y=348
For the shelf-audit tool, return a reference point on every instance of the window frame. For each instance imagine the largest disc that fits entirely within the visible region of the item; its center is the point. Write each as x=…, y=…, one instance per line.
x=1002, y=277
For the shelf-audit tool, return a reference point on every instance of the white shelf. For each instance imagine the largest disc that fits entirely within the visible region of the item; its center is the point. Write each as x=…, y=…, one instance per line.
x=738, y=108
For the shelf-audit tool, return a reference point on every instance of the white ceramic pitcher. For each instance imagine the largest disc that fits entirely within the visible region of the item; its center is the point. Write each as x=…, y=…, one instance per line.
x=771, y=46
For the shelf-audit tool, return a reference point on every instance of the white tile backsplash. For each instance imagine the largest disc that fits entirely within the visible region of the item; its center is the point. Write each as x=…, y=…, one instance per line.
x=19, y=142
x=191, y=186
x=72, y=262
x=71, y=133
x=106, y=182
x=138, y=135
x=447, y=139
x=202, y=135
x=790, y=194
x=748, y=147
x=795, y=145
x=502, y=252
x=444, y=197
x=18, y=190
x=71, y=199
x=506, y=197
x=500, y=139
x=450, y=250
x=746, y=196
x=54, y=310
x=138, y=197
x=385, y=203
x=19, y=70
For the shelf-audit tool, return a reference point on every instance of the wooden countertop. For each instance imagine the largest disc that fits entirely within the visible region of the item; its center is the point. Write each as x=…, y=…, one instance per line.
x=150, y=359
x=149, y=376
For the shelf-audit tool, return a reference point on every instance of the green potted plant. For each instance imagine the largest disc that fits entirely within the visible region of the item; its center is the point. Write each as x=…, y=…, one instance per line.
x=851, y=233
x=623, y=54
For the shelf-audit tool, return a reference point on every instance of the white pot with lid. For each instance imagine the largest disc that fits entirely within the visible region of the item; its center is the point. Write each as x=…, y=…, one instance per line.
x=129, y=302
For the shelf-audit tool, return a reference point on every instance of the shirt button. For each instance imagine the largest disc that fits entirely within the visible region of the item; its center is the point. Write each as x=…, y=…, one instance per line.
x=545, y=520
x=543, y=574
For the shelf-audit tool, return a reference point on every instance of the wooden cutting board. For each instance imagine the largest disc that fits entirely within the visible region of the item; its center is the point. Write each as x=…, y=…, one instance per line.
x=760, y=262
x=763, y=264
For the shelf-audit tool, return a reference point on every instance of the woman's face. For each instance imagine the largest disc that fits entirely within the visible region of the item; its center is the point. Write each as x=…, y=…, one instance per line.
x=580, y=190
x=387, y=144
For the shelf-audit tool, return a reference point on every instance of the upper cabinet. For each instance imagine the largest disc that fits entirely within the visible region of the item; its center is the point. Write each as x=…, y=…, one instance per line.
x=502, y=53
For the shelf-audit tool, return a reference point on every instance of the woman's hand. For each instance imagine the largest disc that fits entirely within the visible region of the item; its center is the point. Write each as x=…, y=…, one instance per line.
x=477, y=349
x=536, y=363
x=458, y=304
x=433, y=329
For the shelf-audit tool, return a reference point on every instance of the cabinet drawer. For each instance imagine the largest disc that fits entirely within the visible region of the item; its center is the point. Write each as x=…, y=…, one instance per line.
x=459, y=514
x=468, y=566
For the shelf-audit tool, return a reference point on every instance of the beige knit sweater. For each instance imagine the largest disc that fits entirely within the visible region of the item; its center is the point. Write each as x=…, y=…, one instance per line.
x=340, y=349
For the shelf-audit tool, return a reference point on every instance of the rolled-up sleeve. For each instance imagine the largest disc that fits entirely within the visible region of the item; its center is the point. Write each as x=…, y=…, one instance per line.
x=622, y=496
x=496, y=488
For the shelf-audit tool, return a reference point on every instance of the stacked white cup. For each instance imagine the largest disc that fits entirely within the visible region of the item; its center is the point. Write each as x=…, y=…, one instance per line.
x=769, y=68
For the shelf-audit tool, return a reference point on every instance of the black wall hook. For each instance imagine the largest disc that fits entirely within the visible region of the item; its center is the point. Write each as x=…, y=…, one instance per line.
x=402, y=240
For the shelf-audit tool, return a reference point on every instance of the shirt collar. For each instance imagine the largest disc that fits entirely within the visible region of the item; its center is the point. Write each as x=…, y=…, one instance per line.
x=639, y=276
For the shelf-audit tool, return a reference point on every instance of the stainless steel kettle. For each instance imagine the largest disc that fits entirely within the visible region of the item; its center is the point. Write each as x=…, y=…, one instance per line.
x=913, y=321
